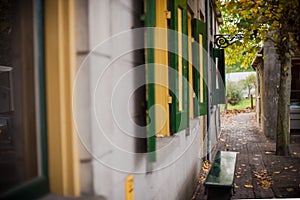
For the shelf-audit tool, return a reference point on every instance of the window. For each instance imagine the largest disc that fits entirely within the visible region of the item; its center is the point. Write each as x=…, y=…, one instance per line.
x=190, y=60
x=179, y=62
x=200, y=67
x=23, y=158
x=171, y=90
x=218, y=77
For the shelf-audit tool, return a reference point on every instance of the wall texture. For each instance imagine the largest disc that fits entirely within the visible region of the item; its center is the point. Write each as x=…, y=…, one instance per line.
x=109, y=110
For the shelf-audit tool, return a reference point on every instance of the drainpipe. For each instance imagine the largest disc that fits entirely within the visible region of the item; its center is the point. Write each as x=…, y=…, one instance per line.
x=209, y=103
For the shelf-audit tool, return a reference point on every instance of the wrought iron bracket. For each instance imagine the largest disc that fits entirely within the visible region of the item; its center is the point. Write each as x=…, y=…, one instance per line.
x=223, y=41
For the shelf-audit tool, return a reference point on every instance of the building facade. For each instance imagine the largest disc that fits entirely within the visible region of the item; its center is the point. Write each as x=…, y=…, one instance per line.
x=108, y=98
x=268, y=79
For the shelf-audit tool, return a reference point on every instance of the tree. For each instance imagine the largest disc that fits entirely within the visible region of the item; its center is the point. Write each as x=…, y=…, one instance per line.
x=234, y=92
x=249, y=83
x=261, y=20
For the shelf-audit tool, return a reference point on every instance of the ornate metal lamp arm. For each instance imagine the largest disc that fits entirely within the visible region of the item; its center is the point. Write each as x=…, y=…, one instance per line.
x=223, y=41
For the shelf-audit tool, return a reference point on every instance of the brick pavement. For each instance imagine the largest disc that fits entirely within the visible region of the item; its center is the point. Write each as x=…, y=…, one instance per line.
x=255, y=154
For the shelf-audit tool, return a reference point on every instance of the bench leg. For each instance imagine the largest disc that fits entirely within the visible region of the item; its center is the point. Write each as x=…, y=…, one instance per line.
x=219, y=193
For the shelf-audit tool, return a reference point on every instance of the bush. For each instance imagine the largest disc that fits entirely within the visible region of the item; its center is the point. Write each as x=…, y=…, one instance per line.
x=234, y=92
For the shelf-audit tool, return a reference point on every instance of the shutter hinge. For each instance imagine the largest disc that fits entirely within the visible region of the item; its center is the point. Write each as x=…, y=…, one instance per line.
x=168, y=14
x=170, y=99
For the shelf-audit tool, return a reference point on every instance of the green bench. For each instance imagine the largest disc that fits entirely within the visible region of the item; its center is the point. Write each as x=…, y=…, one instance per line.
x=219, y=181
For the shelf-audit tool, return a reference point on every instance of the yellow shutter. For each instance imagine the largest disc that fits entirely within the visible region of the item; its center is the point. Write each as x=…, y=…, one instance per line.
x=162, y=116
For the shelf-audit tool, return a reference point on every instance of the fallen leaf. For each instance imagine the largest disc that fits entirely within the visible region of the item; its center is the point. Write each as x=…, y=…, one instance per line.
x=285, y=168
x=255, y=158
x=248, y=186
x=238, y=176
x=290, y=189
x=263, y=179
x=221, y=139
x=294, y=170
x=268, y=152
x=291, y=166
x=243, y=165
x=295, y=153
x=278, y=172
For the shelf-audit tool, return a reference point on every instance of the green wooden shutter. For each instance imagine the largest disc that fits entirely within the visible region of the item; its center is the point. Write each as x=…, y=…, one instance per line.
x=179, y=117
x=199, y=28
x=150, y=94
x=218, y=77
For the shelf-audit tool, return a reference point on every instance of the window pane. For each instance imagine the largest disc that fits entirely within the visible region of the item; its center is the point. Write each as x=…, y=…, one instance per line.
x=18, y=136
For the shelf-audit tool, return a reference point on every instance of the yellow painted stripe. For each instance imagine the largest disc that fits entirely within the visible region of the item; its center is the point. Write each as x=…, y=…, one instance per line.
x=201, y=68
x=180, y=89
x=162, y=116
x=191, y=91
x=60, y=66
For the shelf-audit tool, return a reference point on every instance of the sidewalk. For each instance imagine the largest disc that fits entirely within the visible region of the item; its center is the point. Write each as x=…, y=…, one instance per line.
x=259, y=172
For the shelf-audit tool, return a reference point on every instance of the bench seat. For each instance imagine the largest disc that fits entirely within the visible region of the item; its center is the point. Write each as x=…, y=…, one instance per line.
x=219, y=181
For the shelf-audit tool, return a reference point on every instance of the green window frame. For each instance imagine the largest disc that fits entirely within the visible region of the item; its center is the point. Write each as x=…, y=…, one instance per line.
x=218, y=77
x=38, y=186
x=180, y=87
x=200, y=67
x=150, y=16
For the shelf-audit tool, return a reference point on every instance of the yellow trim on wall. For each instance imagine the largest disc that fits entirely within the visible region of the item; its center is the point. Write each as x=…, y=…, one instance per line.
x=180, y=75
x=60, y=65
x=191, y=91
x=162, y=116
x=201, y=68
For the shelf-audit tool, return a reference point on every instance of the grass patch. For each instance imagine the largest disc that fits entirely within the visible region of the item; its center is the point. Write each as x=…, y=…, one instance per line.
x=244, y=103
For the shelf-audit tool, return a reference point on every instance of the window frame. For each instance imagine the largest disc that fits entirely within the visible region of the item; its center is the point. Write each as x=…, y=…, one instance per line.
x=39, y=185
x=218, y=77
x=199, y=28
x=179, y=117
x=150, y=22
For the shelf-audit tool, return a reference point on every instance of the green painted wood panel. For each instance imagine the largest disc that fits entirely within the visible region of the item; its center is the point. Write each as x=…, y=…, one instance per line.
x=179, y=118
x=199, y=27
x=218, y=77
x=150, y=93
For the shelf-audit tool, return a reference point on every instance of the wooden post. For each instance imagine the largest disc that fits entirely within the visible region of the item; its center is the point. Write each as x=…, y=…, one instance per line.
x=251, y=101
